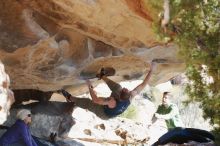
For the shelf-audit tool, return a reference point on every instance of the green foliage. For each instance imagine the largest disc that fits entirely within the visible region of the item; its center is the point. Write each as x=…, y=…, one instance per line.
x=196, y=28
x=217, y=135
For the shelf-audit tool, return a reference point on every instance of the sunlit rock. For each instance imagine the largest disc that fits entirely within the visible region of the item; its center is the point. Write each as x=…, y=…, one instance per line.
x=45, y=45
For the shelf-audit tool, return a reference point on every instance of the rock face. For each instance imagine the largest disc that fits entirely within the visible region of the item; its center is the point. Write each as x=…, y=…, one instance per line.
x=6, y=95
x=45, y=45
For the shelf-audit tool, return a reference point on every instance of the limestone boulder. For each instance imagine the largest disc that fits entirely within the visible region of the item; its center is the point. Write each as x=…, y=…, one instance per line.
x=6, y=95
x=45, y=45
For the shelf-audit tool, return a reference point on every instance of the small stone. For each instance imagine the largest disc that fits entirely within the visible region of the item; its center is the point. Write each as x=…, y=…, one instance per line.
x=87, y=132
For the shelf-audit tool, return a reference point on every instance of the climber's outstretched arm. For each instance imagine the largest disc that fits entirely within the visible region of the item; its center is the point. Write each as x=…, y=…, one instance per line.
x=140, y=87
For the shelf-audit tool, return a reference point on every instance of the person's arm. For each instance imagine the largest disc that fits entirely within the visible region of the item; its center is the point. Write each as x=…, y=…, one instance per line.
x=25, y=134
x=154, y=118
x=95, y=99
x=140, y=87
x=174, y=111
x=33, y=142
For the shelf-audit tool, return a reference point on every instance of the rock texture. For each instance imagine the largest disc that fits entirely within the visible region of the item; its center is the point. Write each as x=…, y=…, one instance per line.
x=6, y=95
x=45, y=45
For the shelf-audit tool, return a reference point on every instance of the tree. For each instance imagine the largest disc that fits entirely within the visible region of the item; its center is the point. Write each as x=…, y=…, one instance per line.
x=195, y=26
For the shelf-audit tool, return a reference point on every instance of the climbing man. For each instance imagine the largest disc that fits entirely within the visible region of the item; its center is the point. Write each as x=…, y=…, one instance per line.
x=120, y=97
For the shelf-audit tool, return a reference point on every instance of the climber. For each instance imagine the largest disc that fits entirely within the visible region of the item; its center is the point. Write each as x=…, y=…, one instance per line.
x=120, y=98
x=116, y=104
